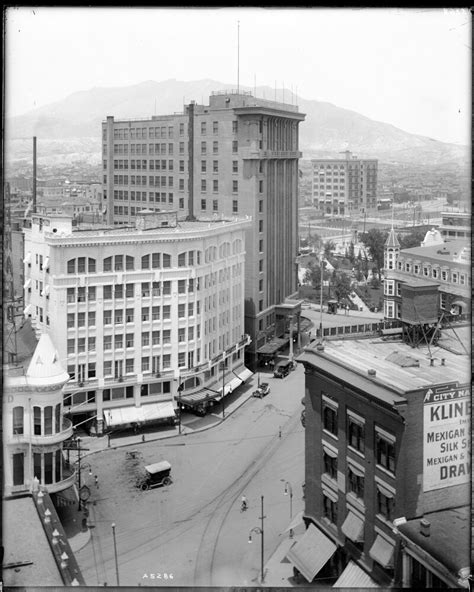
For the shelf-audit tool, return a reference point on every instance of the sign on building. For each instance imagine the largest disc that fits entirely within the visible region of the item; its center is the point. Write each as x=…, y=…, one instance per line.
x=446, y=430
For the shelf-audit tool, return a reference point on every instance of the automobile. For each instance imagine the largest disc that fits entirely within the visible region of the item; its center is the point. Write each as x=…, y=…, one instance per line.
x=283, y=369
x=261, y=390
x=155, y=475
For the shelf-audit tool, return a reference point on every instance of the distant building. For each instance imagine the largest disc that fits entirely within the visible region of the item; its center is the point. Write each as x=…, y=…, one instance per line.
x=456, y=226
x=136, y=312
x=345, y=186
x=387, y=484
x=424, y=282
x=236, y=156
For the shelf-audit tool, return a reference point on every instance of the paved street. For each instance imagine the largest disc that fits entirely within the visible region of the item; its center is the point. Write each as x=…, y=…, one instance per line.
x=193, y=530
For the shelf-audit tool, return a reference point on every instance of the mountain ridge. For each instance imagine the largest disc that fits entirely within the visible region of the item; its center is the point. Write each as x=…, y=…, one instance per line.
x=327, y=127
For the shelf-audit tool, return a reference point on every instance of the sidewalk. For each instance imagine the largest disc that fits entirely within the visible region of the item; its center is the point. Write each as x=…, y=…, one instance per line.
x=189, y=424
x=278, y=570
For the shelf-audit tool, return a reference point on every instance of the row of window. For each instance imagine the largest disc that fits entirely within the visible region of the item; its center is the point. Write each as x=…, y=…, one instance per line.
x=46, y=420
x=164, y=149
x=432, y=271
x=48, y=467
x=143, y=164
x=385, y=505
x=356, y=436
x=133, y=133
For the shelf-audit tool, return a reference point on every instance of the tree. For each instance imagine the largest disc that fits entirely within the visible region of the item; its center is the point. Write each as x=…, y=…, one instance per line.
x=414, y=239
x=374, y=240
x=313, y=275
x=328, y=247
x=341, y=284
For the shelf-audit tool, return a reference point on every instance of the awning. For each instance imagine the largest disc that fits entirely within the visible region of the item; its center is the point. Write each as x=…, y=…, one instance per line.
x=66, y=497
x=297, y=520
x=273, y=346
x=27, y=310
x=27, y=259
x=353, y=528
x=46, y=262
x=46, y=290
x=150, y=412
x=244, y=374
x=231, y=386
x=199, y=397
x=311, y=552
x=354, y=577
x=382, y=552
x=462, y=305
x=27, y=284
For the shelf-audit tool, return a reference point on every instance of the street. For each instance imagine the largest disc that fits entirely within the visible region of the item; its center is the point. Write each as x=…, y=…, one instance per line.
x=192, y=532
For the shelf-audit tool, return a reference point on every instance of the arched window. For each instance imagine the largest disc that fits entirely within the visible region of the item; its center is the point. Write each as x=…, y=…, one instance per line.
x=48, y=421
x=182, y=260
x=146, y=262
x=37, y=421
x=71, y=266
x=129, y=263
x=18, y=420
x=107, y=263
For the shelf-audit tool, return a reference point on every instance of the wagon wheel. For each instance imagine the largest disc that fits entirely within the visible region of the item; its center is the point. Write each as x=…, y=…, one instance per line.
x=144, y=486
x=166, y=481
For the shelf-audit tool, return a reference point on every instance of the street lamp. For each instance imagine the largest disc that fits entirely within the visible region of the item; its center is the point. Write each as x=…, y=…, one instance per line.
x=223, y=379
x=79, y=467
x=260, y=531
x=115, y=553
x=289, y=490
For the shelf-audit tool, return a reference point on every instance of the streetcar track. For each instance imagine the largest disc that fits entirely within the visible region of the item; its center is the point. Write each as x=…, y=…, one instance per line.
x=255, y=466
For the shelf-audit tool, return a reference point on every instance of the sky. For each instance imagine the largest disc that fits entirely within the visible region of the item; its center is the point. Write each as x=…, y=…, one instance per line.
x=407, y=67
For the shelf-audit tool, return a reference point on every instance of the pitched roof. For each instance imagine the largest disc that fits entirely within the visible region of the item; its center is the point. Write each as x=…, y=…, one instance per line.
x=392, y=240
x=45, y=367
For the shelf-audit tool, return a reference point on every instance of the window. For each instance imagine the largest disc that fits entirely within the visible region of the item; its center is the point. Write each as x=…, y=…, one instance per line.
x=181, y=334
x=235, y=127
x=181, y=286
x=166, y=336
x=203, y=148
x=181, y=359
x=71, y=320
x=385, y=450
x=129, y=340
x=118, y=291
x=18, y=468
x=166, y=312
x=37, y=421
x=215, y=205
x=356, y=481
x=129, y=365
x=155, y=313
x=235, y=166
x=203, y=166
x=71, y=266
x=145, y=339
x=215, y=127
x=203, y=185
x=235, y=146
x=260, y=246
x=18, y=420
x=330, y=462
x=235, y=186
x=129, y=290
x=385, y=502
x=215, y=185
x=166, y=288
x=235, y=206
x=356, y=433
x=129, y=314
x=330, y=509
x=215, y=147
x=203, y=204
x=118, y=317
x=181, y=310
x=145, y=368
x=107, y=342
x=203, y=128
x=330, y=418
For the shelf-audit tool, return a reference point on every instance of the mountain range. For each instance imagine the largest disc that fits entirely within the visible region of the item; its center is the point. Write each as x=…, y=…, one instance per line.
x=326, y=131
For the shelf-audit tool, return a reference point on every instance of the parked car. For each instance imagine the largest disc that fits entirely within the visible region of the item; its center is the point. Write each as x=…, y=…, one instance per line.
x=155, y=475
x=262, y=390
x=283, y=369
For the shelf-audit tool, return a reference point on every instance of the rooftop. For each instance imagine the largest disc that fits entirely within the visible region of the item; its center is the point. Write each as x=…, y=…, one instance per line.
x=440, y=252
x=20, y=517
x=353, y=358
x=449, y=539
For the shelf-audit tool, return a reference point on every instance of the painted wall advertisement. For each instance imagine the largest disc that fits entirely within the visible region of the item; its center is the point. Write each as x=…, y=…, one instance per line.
x=446, y=431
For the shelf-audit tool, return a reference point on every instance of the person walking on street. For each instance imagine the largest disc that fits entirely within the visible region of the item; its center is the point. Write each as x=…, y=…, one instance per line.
x=244, y=504
x=96, y=479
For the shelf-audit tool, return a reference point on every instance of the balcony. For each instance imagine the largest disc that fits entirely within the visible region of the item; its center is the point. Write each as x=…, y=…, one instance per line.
x=69, y=478
x=45, y=440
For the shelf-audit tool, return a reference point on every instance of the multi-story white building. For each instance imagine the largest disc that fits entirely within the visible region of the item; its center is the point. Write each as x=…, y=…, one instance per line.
x=137, y=311
x=34, y=428
x=237, y=155
x=345, y=185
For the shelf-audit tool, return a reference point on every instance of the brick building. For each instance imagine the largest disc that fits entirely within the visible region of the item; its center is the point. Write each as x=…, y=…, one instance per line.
x=386, y=444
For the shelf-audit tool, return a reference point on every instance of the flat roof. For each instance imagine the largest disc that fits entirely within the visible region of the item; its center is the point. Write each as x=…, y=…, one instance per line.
x=351, y=359
x=24, y=540
x=440, y=252
x=449, y=539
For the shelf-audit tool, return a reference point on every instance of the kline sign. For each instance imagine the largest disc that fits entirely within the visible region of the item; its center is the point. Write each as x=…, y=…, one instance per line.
x=446, y=431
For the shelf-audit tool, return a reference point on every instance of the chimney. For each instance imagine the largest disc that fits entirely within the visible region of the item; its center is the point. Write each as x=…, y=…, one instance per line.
x=34, y=176
x=425, y=527
x=191, y=161
x=371, y=372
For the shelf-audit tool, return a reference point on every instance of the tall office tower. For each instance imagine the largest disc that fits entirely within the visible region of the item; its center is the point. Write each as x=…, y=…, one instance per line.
x=345, y=185
x=236, y=156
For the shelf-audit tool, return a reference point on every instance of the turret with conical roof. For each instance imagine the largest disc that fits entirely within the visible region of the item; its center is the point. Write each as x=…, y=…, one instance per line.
x=391, y=250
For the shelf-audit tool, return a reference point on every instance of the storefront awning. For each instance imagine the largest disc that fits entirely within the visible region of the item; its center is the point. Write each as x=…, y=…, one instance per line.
x=199, y=397
x=244, y=374
x=27, y=309
x=297, y=520
x=382, y=552
x=311, y=552
x=27, y=259
x=151, y=412
x=27, y=284
x=273, y=346
x=354, y=577
x=231, y=386
x=353, y=528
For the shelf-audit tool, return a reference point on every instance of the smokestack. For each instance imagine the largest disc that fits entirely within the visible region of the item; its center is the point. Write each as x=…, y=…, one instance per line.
x=191, y=161
x=34, y=175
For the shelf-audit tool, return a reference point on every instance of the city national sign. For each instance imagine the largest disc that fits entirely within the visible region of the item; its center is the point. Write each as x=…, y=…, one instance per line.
x=446, y=436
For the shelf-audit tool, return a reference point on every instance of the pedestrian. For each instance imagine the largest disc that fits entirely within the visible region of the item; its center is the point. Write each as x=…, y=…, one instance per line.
x=347, y=309
x=244, y=504
x=279, y=432
x=96, y=479
x=143, y=437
